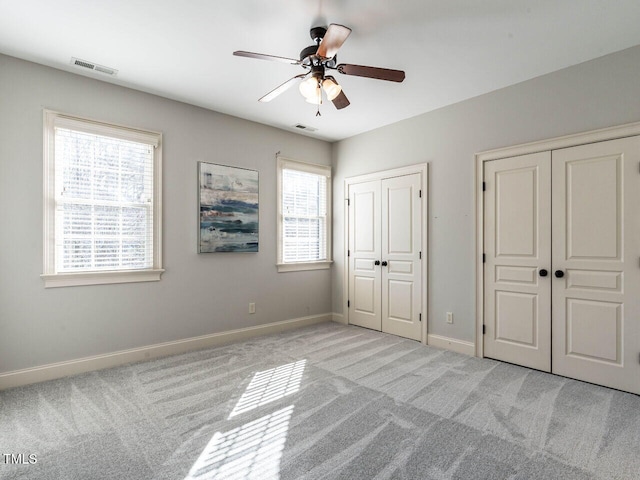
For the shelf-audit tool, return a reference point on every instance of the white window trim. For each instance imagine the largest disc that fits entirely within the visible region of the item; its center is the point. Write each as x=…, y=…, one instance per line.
x=325, y=171
x=49, y=276
x=300, y=266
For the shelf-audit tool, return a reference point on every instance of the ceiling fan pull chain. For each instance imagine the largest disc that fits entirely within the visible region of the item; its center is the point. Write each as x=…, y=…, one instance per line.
x=319, y=90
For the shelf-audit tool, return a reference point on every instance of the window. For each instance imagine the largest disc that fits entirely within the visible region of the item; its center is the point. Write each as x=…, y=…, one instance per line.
x=101, y=203
x=304, y=216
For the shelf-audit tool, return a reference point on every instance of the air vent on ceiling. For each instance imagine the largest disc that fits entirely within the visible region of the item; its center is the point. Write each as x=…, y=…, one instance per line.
x=304, y=127
x=93, y=66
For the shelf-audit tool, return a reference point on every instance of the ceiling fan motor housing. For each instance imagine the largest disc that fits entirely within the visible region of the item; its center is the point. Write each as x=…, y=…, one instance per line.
x=308, y=52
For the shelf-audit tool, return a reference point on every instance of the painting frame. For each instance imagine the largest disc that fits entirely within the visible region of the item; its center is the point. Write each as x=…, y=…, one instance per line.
x=228, y=209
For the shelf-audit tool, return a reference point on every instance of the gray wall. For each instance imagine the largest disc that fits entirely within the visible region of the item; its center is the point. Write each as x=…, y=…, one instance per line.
x=596, y=94
x=198, y=294
x=201, y=294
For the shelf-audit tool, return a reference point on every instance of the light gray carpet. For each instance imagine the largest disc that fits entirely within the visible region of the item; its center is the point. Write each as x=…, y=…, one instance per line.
x=325, y=402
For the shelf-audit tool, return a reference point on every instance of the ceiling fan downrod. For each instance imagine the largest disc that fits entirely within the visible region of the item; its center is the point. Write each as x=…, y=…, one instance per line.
x=317, y=34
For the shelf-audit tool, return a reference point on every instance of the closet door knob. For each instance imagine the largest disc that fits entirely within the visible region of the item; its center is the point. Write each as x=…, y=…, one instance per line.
x=559, y=273
x=543, y=273
x=377, y=262
x=384, y=264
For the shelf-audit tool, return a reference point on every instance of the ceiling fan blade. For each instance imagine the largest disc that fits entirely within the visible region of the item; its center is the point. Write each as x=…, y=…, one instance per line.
x=261, y=56
x=333, y=40
x=341, y=101
x=371, y=72
x=282, y=88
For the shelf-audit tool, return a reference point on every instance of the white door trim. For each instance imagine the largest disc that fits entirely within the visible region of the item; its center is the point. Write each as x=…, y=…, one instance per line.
x=604, y=134
x=423, y=169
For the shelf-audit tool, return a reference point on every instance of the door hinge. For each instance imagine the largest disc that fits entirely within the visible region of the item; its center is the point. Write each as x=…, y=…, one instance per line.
x=484, y=186
x=420, y=255
x=484, y=258
x=348, y=253
x=348, y=202
x=348, y=303
x=484, y=329
x=420, y=316
x=420, y=193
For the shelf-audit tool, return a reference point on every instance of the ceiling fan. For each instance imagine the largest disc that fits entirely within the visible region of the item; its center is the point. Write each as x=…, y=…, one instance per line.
x=319, y=58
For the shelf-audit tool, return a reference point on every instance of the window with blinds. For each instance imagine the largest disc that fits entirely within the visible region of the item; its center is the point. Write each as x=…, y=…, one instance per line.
x=304, y=220
x=102, y=191
x=104, y=203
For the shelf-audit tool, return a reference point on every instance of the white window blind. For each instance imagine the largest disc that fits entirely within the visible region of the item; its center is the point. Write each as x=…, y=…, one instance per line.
x=304, y=220
x=103, y=203
x=304, y=216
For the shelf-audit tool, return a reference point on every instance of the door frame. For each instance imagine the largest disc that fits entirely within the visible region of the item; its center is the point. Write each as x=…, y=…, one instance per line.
x=574, y=140
x=423, y=170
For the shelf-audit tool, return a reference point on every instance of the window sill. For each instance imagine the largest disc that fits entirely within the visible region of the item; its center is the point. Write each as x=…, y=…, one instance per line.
x=298, y=267
x=55, y=280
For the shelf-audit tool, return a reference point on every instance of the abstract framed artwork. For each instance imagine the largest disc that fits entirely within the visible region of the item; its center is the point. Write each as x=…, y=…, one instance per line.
x=227, y=209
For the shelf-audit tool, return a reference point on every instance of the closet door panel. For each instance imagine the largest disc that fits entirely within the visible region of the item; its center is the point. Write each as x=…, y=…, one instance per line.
x=596, y=250
x=517, y=242
x=401, y=244
x=365, y=249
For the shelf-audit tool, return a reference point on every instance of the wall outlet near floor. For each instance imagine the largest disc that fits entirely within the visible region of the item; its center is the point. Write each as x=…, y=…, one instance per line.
x=252, y=307
x=449, y=317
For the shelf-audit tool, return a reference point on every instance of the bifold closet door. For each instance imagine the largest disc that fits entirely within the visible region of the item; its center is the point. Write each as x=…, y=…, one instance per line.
x=596, y=255
x=517, y=243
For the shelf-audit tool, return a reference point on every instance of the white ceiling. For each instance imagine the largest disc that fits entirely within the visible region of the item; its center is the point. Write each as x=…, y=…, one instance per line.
x=451, y=50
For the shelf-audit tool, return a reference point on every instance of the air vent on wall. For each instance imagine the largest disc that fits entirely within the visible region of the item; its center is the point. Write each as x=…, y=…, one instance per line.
x=304, y=127
x=93, y=66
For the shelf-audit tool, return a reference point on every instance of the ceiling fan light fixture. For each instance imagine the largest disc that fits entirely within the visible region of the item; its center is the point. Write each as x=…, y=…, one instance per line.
x=331, y=88
x=316, y=96
x=310, y=90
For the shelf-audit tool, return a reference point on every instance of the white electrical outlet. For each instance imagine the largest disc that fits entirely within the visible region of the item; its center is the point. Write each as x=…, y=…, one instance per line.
x=252, y=307
x=449, y=317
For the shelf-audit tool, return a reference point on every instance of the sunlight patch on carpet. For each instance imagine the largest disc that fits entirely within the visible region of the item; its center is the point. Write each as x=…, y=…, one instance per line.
x=250, y=451
x=270, y=385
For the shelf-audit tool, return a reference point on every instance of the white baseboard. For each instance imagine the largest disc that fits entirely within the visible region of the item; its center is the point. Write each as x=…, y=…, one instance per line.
x=455, y=345
x=52, y=371
x=339, y=318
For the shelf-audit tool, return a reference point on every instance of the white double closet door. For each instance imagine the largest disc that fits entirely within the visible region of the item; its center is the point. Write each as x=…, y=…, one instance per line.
x=385, y=265
x=562, y=271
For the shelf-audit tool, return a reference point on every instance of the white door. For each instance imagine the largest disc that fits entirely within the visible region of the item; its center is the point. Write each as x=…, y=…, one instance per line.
x=401, y=256
x=517, y=269
x=596, y=249
x=365, y=284
x=385, y=258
